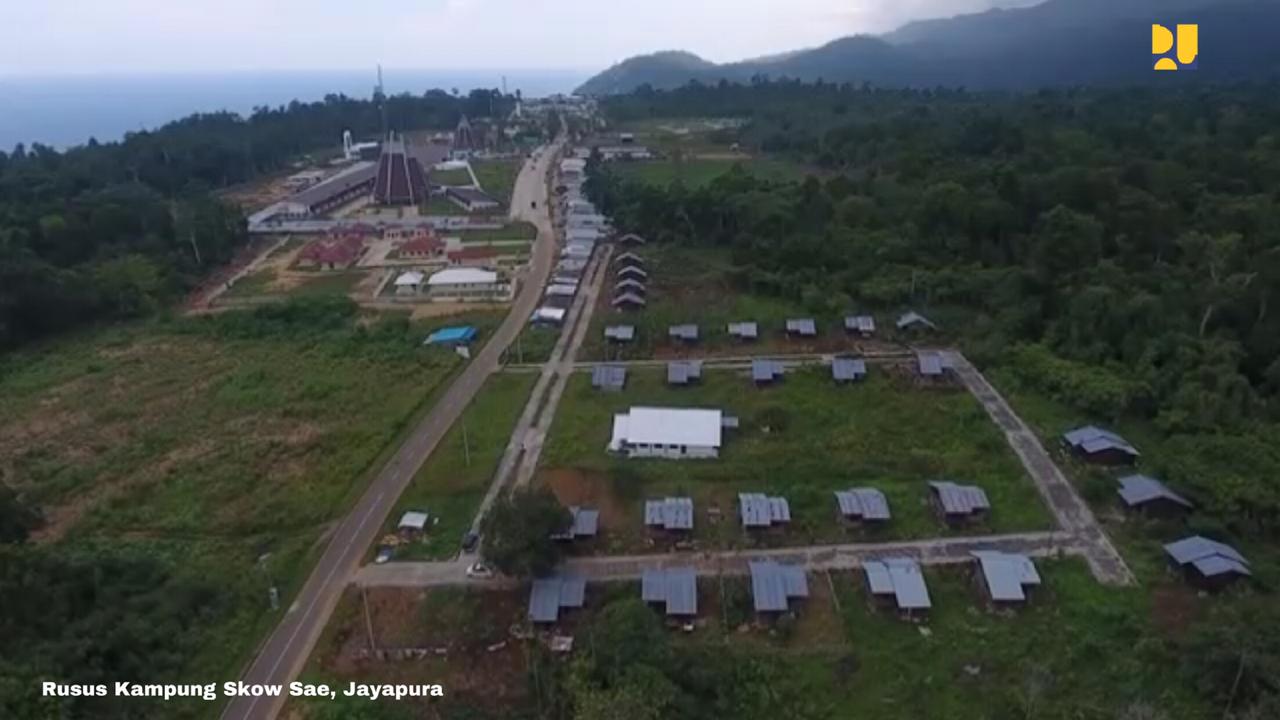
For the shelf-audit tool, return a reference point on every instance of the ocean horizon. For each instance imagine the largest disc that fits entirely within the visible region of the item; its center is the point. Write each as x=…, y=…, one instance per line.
x=62, y=111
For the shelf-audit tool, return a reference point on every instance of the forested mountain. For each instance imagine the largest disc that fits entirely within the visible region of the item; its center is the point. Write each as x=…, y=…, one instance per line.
x=1122, y=245
x=117, y=229
x=1061, y=42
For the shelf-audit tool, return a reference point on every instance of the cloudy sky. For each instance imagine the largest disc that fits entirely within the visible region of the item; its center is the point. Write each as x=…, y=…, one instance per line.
x=131, y=36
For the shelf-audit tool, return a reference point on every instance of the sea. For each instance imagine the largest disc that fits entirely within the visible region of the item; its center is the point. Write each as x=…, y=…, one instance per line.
x=66, y=110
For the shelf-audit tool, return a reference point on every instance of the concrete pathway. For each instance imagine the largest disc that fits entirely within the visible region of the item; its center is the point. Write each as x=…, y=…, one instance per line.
x=1069, y=509
x=849, y=556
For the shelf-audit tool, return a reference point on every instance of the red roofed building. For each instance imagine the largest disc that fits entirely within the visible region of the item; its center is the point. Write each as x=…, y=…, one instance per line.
x=425, y=247
x=481, y=256
x=334, y=254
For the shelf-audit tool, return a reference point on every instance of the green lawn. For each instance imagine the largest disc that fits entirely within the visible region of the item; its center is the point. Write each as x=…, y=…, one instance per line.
x=699, y=285
x=438, y=205
x=498, y=177
x=451, y=484
x=207, y=443
x=883, y=432
x=534, y=345
x=458, y=177
x=698, y=171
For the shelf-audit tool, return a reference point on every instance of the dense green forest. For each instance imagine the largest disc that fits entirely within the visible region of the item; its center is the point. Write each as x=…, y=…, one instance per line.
x=1123, y=245
x=116, y=230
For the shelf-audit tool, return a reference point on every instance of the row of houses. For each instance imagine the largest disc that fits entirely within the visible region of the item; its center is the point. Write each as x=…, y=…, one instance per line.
x=764, y=371
x=631, y=279
x=1205, y=563
x=1005, y=581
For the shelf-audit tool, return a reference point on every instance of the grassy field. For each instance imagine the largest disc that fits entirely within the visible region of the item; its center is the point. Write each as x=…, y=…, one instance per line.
x=459, y=177
x=697, y=171
x=696, y=285
x=454, y=479
x=209, y=443
x=438, y=205
x=265, y=283
x=534, y=345
x=498, y=177
x=883, y=433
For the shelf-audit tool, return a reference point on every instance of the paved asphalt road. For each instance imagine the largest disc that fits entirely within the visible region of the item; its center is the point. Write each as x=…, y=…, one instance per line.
x=285, y=652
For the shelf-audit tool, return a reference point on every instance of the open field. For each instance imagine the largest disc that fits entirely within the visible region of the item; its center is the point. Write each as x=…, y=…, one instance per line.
x=467, y=635
x=457, y=178
x=205, y=444
x=534, y=345
x=450, y=485
x=883, y=432
x=699, y=171
x=1078, y=650
x=697, y=285
x=688, y=136
x=498, y=177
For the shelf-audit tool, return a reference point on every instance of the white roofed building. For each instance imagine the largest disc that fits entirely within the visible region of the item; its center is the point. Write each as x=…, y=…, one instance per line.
x=465, y=284
x=673, y=433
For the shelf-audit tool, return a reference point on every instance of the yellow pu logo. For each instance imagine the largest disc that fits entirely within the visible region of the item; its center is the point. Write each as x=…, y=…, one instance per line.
x=1188, y=44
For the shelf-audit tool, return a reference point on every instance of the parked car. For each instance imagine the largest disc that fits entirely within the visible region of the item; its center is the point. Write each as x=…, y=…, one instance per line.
x=479, y=571
x=384, y=554
x=470, y=541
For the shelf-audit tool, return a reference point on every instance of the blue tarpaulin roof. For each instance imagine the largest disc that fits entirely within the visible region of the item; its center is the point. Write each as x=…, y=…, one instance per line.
x=452, y=336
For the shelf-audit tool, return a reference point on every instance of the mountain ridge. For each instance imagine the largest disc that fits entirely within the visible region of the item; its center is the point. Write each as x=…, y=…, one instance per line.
x=1057, y=42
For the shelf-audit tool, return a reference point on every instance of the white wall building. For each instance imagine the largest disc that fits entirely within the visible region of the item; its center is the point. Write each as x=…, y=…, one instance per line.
x=673, y=433
x=465, y=284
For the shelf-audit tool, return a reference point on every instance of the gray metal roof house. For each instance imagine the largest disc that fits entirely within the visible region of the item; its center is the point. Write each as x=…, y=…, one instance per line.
x=628, y=258
x=673, y=513
x=629, y=285
x=765, y=371
x=609, y=377
x=676, y=589
x=845, y=370
x=684, y=372
x=912, y=319
x=1140, y=492
x=863, y=504
x=1208, y=563
x=959, y=502
x=586, y=524
x=629, y=300
x=550, y=595
x=1006, y=576
x=774, y=585
x=898, y=580
x=685, y=333
x=631, y=239
x=632, y=272
x=761, y=511
x=620, y=333
x=802, y=327
x=744, y=330
x=932, y=364
x=1100, y=446
x=864, y=325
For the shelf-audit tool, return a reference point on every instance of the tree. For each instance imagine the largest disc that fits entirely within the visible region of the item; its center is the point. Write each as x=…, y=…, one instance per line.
x=17, y=520
x=518, y=529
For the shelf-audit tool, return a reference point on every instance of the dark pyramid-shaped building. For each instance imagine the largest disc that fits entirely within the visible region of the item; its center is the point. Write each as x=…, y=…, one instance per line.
x=401, y=179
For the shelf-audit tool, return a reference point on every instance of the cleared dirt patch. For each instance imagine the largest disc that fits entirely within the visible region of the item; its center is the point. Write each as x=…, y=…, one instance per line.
x=461, y=639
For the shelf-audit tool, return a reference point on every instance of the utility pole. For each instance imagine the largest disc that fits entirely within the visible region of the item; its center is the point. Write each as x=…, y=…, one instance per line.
x=466, y=442
x=368, y=621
